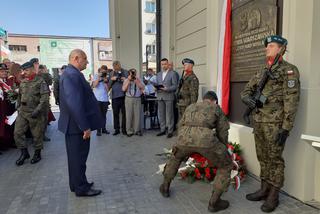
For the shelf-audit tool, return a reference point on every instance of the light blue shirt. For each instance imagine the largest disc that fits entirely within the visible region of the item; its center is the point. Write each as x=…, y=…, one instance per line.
x=100, y=91
x=133, y=90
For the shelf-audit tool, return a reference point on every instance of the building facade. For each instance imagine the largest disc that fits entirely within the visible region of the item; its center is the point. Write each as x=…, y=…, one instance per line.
x=53, y=50
x=190, y=28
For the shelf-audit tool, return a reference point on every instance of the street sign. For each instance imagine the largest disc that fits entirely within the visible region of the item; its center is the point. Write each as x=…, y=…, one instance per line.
x=3, y=32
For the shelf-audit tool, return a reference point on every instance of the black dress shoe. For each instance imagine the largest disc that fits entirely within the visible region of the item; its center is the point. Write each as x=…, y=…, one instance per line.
x=116, y=132
x=139, y=133
x=89, y=193
x=46, y=139
x=161, y=133
x=170, y=135
x=105, y=131
x=124, y=132
x=89, y=184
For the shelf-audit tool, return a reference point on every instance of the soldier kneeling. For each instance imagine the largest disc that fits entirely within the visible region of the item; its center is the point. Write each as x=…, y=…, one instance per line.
x=203, y=129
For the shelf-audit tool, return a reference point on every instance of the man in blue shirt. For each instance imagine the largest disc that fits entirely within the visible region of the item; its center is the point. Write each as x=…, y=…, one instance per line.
x=100, y=90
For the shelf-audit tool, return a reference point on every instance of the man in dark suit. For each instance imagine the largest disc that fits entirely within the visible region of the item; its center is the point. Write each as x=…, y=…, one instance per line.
x=79, y=115
x=166, y=85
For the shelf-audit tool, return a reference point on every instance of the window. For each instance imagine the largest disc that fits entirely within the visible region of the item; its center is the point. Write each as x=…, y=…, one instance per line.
x=38, y=48
x=153, y=49
x=150, y=7
x=18, y=48
x=150, y=28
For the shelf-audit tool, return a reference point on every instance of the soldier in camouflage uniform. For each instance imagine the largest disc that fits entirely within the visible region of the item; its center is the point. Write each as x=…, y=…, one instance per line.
x=46, y=76
x=32, y=101
x=203, y=129
x=273, y=121
x=187, y=92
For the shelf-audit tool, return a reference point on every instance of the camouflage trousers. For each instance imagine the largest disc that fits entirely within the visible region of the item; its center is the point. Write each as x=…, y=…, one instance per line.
x=181, y=110
x=269, y=153
x=36, y=125
x=218, y=156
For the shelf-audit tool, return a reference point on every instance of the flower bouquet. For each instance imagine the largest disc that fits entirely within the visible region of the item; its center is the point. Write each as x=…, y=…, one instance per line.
x=199, y=168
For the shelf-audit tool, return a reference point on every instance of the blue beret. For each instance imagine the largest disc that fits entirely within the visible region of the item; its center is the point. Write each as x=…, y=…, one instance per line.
x=275, y=38
x=34, y=60
x=187, y=60
x=26, y=65
x=3, y=66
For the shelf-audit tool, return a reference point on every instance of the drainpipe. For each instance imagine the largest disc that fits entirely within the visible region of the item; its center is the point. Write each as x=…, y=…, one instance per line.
x=158, y=34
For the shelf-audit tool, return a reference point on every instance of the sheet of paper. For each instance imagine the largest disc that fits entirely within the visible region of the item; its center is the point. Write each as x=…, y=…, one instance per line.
x=10, y=119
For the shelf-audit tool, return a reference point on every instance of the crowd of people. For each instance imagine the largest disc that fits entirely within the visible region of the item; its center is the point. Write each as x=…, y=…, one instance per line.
x=272, y=97
x=164, y=95
x=18, y=94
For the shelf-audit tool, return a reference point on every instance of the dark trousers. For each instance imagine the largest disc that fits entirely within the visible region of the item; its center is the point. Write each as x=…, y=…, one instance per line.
x=117, y=106
x=104, y=109
x=77, y=152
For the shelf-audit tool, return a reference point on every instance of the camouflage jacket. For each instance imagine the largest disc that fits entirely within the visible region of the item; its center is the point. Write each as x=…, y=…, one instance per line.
x=202, y=125
x=33, y=95
x=188, y=93
x=47, y=78
x=282, y=94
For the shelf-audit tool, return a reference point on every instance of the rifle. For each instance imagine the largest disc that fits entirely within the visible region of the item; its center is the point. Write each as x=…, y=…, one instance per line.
x=257, y=95
x=180, y=85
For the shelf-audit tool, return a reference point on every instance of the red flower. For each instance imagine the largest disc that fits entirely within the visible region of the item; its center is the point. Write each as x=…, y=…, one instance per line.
x=198, y=174
x=215, y=171
x=207, y=171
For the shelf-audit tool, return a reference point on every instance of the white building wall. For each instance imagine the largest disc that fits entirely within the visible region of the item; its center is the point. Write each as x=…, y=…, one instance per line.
x=195, y=34
x=190, y=28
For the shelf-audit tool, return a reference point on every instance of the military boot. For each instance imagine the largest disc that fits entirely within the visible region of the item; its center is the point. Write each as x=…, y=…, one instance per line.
x=272, y=200
x=24, y=155
x=36, y=157
x=261, y=193
x=216, y=204
x=164, y=189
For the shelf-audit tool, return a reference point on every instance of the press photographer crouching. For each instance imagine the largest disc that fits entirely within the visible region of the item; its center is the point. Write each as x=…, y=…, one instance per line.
x=100, y=90
x=134, y=88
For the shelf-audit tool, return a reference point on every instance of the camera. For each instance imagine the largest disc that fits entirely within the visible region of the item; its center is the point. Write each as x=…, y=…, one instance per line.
x=103, y=74
x=119, y=75
x=133, y=74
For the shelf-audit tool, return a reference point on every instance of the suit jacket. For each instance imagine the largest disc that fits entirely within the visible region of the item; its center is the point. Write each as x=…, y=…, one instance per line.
x=170, y=82
x=79, y=108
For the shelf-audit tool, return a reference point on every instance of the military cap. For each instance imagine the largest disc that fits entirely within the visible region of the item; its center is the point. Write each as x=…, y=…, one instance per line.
x=26, y=65
x=3, y=66
x=275, y=38
x=187, y=60
x=34, y=60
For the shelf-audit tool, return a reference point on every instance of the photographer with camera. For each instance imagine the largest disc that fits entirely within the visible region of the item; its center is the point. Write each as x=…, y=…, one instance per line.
x=134, y=88
x=117, y=78
x=100, y=90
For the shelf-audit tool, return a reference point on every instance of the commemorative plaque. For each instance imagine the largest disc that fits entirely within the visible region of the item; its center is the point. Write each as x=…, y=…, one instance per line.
x=252, y=22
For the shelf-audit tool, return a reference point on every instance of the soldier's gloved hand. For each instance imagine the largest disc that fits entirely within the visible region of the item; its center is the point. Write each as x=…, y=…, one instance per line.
x=249, y=101
x=282, y=136
x=34, y=114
